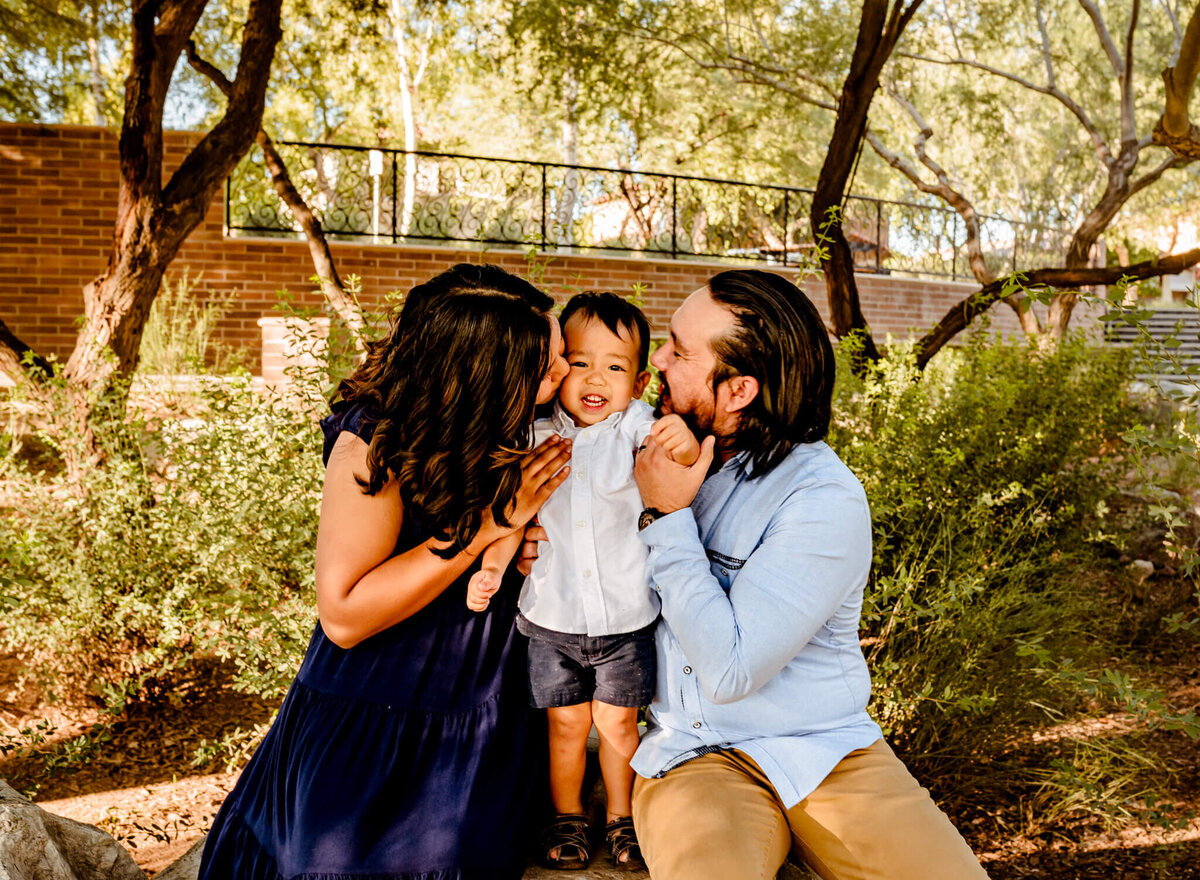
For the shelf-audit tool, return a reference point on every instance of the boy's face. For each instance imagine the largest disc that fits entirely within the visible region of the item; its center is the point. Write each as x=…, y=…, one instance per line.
x=604, y=375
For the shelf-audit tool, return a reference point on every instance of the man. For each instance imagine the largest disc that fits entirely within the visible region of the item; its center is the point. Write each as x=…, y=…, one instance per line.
x=758, y=740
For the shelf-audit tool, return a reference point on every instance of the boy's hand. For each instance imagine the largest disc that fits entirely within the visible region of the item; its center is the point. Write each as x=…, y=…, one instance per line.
x=672, y=434
x=667, y=485
x=482, y=586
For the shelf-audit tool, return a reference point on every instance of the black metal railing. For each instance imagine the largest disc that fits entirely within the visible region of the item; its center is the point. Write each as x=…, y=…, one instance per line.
x=396, y=196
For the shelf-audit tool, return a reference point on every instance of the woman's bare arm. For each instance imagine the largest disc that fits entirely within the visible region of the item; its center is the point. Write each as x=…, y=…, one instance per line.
x=360, y=591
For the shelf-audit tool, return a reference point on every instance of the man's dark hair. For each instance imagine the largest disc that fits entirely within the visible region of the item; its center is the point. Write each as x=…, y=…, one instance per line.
x=778, y=338
x=616, y=312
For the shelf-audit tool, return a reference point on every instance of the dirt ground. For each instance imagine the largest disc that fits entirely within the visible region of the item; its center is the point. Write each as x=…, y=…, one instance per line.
x=143, y=788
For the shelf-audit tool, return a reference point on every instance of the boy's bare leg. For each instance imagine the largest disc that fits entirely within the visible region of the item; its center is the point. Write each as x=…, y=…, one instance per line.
x=569, y=728
x=617, y=726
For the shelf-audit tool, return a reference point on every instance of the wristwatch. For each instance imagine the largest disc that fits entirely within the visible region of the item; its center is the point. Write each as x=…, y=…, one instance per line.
x=649, y=515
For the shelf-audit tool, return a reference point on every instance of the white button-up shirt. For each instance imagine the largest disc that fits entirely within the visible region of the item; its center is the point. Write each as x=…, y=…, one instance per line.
x=590, y=578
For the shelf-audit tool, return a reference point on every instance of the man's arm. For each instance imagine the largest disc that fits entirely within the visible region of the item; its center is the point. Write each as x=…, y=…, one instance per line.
x=815, y=553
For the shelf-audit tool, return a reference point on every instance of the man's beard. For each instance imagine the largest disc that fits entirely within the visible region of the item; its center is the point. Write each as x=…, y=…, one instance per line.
x=699, y=423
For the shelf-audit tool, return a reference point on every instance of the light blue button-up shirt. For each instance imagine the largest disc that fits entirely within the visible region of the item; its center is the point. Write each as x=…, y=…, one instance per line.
x=761, y=583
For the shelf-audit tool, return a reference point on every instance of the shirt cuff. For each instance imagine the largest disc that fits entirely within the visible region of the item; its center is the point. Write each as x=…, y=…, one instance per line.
x=669, y=528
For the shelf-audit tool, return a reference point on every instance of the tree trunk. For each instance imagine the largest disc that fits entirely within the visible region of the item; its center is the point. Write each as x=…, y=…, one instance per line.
x=410, y=84
x=1079, y=251
x=878, y=31
x=410, y=160
x=153, y=220
x=339, y=299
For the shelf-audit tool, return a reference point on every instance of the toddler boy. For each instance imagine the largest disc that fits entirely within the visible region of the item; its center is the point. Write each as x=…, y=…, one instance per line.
x=586, y=606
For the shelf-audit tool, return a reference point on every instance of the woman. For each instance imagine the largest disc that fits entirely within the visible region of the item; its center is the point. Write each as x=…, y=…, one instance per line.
x=403, y=748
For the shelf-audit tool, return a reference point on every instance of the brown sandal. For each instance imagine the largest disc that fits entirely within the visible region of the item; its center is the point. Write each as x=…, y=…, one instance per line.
x=623, y=845
x=568, y=834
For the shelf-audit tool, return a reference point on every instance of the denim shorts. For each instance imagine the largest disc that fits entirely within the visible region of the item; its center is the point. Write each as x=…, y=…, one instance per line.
x=566, y=669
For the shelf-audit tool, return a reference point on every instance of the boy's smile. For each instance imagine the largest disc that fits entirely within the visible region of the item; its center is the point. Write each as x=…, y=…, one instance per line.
x=603, y=375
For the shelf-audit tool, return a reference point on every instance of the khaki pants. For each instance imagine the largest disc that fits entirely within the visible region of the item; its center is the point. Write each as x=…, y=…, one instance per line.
x=718, y=817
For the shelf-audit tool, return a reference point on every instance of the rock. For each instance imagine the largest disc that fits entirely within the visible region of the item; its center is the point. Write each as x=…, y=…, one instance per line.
x=1139, y=570
x=187, y=866
x=36, y=845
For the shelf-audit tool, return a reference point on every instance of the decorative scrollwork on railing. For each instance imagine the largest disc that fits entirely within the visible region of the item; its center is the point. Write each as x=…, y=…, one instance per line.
x=396, y=196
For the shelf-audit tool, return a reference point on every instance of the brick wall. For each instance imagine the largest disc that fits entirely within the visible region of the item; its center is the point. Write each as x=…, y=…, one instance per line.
x=58, y=195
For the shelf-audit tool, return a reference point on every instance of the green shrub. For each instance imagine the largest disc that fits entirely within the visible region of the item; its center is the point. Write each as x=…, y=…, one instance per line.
x=985, y=614
x=988, y=476
x=178, y=337
x=195, y=537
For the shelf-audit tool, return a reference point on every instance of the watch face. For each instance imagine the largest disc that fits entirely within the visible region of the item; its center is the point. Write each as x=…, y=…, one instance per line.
x=648, y=516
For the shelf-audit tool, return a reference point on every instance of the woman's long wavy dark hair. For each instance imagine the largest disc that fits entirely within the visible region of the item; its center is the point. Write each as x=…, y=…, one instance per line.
x=451, y=390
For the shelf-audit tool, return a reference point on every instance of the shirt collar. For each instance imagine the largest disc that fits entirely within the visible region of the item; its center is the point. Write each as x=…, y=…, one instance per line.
x=565, y=426
x=741, y=462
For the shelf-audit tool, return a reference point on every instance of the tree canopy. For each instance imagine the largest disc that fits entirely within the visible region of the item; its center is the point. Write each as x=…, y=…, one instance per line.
x=1043, y=124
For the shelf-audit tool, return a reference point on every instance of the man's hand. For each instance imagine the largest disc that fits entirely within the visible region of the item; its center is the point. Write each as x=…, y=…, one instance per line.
x=665, y=484
x=673, y=435
x=529, y=547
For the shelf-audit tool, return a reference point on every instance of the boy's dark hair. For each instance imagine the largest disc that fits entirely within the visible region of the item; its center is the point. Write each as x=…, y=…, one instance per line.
x=616, y=312
x=778, y=338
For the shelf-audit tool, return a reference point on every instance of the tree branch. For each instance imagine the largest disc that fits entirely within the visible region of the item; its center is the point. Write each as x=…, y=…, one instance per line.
x=1150, y=177
x=1098, y=142
x=944, y=190
x=762, y=39
x=743, y=61
x=1175, y=129
x=1167, y=8
x=1128, y=120
x=753, y=71
x=318, y=246
x=1047, y=58
x=1106, y=40
x=19, y=360
x=961, y=315
x=200, y=174
x=950, y=26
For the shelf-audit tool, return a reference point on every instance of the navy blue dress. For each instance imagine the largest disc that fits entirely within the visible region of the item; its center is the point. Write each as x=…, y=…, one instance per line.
x=410, y=756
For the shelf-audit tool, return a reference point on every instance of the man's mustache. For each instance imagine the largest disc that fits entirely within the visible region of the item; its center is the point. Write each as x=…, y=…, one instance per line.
x=664, y=390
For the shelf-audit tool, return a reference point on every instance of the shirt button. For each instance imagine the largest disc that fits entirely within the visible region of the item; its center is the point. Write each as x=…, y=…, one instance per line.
x=696, y=724
x=724, y=572
x=587, y=573
x=687, y=670
x=579, y=475
x=582, y=524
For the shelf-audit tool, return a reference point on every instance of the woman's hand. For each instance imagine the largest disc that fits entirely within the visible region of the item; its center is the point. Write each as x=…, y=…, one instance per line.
x=543, y=470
